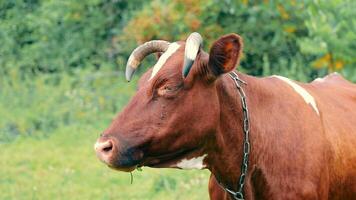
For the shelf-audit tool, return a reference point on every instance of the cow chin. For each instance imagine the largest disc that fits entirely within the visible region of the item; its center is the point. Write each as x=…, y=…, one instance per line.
x=127, y=162
x=168, y=160
x=123, y=169
x=126, y=165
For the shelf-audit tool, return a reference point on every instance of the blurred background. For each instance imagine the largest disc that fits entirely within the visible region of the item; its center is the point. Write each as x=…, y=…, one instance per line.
x=62, y=80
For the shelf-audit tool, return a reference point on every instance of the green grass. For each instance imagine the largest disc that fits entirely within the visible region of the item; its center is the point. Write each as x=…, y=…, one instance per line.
x=48, y=126
x=64, y=166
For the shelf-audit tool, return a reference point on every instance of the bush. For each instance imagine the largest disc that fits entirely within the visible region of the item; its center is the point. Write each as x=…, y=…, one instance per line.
x=279, y=36
x=299, y=39
x=331, y=40
x=54, y=36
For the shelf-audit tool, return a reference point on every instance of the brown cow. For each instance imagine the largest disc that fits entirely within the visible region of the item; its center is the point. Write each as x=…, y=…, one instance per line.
x=187, y=113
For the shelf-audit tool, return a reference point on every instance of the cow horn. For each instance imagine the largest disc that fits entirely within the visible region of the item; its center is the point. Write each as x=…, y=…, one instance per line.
x=192, y=46
x=141, y=52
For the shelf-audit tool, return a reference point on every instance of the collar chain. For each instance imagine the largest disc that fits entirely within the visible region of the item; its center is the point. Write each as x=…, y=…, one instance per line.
x=239, y=194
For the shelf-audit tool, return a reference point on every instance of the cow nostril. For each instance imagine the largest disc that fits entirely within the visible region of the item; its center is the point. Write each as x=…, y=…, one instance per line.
x=104, y=147
x=107, y=149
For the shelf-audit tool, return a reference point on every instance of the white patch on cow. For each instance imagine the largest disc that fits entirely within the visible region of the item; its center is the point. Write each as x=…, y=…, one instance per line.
x=319, y=80
x=164, y=57
x=335, y=73
x=308, y=98
x=193, y=163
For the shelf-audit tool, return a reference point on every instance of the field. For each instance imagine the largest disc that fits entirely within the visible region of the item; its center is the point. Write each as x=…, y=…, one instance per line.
x=62, y=80
x=47, y=136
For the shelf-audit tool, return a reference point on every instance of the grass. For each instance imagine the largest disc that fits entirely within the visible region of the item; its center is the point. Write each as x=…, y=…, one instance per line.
x=64, y=166
x=48, y=126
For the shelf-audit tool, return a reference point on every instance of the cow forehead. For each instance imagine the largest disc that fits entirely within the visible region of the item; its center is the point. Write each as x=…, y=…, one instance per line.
x=164, y=57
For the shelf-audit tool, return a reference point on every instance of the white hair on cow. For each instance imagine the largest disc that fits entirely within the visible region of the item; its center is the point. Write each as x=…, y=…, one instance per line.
x=319, y=80
x=308, y=98
x=164, y=57
x=193, y=163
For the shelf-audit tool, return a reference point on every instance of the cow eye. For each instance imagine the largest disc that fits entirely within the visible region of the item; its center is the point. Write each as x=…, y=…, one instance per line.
x=167, y=90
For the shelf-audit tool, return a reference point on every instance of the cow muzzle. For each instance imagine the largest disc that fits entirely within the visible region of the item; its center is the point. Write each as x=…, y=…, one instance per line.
x=116, y=155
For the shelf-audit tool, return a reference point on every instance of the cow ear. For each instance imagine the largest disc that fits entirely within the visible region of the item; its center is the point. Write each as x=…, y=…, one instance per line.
x=225, y=54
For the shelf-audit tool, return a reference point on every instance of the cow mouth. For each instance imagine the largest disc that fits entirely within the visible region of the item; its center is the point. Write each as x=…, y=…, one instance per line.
x=167, y=160
x=123, y=169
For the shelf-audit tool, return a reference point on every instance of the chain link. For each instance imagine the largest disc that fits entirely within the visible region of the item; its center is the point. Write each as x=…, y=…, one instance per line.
x=246, y=145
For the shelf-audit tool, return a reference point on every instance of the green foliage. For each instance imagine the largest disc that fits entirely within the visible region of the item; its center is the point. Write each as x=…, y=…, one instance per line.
x=269, y=30
x=299, y=39
x=52, y=36
x=279, y=36
x=332, y=34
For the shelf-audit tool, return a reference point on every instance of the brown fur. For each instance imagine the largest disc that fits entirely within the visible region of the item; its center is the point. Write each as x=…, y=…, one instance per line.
x=295, y=153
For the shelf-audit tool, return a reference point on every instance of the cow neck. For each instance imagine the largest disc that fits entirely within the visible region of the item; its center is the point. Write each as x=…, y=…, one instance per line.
x=234, y=144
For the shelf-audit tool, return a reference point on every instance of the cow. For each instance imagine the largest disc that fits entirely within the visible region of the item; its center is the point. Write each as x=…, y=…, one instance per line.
x=192, y=110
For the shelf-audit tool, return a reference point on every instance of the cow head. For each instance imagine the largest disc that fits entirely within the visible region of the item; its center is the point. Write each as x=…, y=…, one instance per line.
x=173, y=117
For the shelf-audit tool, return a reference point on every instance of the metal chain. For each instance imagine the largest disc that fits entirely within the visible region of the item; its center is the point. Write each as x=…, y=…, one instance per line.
x=246, y=145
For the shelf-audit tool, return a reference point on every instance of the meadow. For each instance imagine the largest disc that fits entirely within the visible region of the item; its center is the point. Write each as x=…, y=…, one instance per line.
x=62, y=80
